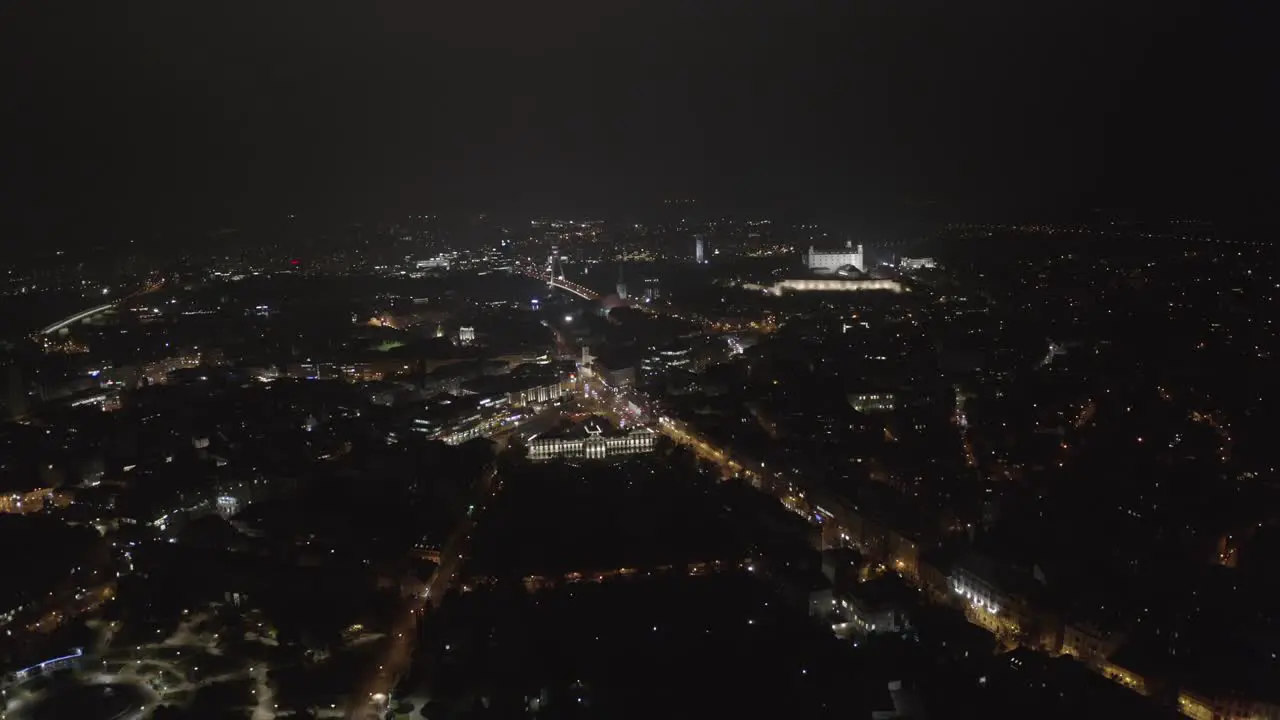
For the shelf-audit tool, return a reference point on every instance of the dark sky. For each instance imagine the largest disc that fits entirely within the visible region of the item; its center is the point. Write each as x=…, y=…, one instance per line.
x=141, y=116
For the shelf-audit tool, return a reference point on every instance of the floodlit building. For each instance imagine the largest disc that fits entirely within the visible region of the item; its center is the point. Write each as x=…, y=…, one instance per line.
x=829, y=261
x=659, y=362
x=652, y=289
x=593, y=438
x=917, y=263
x=872, y=402
x=989, y=595
x=783, y=287
x=1089, y=643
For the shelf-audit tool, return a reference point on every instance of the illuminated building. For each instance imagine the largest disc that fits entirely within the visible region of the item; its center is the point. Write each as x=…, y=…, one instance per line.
x=699, y=249
x=827, y=285
x=594, y=438
x=829, y=261
x=158, y=371
x=1206, y=706
x=868, y=615
x=659, y=363
x=107, y=400
x=540, y=394
x=227, y=505
x=917, y=263
x=1088, y=643
x=26, y=501
x=1118, y=673
x=872, y=402
x=1195, y=706
x=988, y=601
x=652, y=289
x=531, y=383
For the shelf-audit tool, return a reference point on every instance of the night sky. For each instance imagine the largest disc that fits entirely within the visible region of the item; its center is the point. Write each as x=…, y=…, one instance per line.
x=146, y=116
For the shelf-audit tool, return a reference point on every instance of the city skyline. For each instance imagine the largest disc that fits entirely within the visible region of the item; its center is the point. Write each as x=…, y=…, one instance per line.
x=822, y=359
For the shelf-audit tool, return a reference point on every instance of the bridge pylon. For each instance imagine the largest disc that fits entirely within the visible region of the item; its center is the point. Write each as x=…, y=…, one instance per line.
x=555, y=270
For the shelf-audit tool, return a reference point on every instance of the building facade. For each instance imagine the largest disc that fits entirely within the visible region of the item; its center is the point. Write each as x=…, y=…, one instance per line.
x=1089, y=643
x=918, y=263
x=872, y=402
x=592, y=441
x=652, y=289
x=541, y=393
x=828, y=261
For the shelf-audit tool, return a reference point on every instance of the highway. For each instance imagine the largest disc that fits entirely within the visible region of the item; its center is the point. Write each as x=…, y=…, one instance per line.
x=73, y=319
x=86, y=314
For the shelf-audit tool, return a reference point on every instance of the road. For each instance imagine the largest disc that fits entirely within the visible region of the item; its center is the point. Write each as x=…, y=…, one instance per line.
x=677, y=431
x=73, y=319
x=395, y=662
x=70, y=320
x=619, y=403
x=801, y=497
x=67, y=608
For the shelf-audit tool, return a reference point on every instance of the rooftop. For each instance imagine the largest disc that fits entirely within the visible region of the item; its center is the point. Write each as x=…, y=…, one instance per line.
x=593, y=425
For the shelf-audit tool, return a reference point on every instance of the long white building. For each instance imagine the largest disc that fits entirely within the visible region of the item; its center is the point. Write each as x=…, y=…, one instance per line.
x=594, y=439
x=829, y=261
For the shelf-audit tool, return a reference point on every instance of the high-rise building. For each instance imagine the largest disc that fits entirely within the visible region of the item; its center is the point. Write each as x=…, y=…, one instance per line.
x=652, y=289
x=699, y=249
x=622, y=285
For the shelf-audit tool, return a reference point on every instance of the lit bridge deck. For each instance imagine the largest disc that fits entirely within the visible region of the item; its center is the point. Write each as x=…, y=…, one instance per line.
x=580, y=290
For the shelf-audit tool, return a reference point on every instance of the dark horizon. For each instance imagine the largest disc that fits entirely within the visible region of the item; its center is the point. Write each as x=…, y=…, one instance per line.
x=162, y=121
